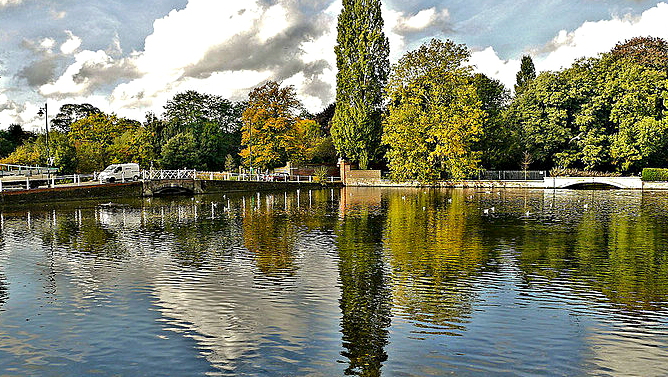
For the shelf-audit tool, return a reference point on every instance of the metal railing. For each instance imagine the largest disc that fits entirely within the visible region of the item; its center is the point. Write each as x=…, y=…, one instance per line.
x=226, y=176
x=169, y=174
x=11, y=169
x=512, y=175
x=17, y=183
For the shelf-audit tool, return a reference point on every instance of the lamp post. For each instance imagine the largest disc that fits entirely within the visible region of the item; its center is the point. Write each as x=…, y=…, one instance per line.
x=45, y=111
x=250, y=148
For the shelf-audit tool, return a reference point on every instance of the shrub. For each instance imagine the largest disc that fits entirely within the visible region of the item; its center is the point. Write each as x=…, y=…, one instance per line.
x=649, y=175
x=321, y=175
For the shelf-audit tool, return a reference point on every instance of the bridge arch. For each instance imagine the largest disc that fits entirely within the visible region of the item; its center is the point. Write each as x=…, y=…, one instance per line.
x=172, y=187
x=593, y=186
x=624, y=183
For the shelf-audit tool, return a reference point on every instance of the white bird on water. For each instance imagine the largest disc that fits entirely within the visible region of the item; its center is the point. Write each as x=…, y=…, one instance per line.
x=485, y=211
x=527, y=214
x=586, y=206
x=449, y=200
x=493, y=209
x=403, y=198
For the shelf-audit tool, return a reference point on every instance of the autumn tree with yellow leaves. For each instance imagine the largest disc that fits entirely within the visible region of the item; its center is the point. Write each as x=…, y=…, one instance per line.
x=273, y=133
x=434, y=117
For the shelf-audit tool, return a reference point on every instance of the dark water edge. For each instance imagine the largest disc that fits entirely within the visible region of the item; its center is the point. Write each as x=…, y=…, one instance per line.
x=338, y=281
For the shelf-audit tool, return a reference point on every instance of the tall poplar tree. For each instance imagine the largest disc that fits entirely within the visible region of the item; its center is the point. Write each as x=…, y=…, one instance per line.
x=362, y=59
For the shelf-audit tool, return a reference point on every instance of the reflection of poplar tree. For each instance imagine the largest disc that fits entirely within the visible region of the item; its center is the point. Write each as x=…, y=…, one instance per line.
x=365, y=295
x=3, y=290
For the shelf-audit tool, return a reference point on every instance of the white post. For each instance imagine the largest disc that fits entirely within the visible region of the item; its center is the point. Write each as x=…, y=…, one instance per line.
x=0, y=185
x=297, y=179
x=310, y=178
x=123, y=176
x=53, y=181
x=27, y=183
x=211, y=176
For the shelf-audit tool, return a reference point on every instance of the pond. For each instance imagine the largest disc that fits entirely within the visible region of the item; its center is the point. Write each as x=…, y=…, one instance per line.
x=367, y=281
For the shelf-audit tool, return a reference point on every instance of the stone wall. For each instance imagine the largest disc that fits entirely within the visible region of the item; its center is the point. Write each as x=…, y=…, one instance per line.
x=118, y=190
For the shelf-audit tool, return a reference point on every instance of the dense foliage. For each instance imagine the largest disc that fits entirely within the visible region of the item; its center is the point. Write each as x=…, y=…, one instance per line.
x=653, y=174
x=362, y=59
x=603, y=113
x=435, y=115
x=433, y=119
x=273, y=132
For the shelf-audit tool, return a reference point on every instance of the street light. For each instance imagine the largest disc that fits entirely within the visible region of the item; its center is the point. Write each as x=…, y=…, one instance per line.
x=250, y=148
x=45, y=111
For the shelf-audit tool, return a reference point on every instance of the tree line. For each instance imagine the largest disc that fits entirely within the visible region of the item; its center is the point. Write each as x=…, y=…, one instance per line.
x=427, y=117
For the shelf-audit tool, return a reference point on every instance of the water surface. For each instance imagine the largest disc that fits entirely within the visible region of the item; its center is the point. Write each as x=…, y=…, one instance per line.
x=338, y=282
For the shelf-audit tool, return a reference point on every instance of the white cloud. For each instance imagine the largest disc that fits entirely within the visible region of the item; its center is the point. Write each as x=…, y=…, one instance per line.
x=274, y=20
x=47, y=43
x=58, y=15
x=72, y=44
x=593, y=38
x=67, y=84
x=6, y=3
x=588, y=40
x=399, y=25
x=185, y=38
x=488, y=62
x=423, y=19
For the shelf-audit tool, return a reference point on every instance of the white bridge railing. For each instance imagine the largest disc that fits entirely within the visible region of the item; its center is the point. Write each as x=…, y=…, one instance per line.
x=151, y=175
x=169, y=174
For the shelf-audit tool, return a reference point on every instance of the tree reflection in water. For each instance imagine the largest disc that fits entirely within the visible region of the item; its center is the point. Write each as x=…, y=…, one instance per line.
x=4, y=294
x=365, y=294
x=435, y=251
x=617, y=248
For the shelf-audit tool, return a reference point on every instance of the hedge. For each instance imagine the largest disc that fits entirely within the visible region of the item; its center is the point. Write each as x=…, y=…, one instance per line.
x=649, y=175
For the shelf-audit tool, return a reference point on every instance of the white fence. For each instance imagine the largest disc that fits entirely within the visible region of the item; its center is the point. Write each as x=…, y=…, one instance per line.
x=13, y=170
x=32, y=182
x=225, y=176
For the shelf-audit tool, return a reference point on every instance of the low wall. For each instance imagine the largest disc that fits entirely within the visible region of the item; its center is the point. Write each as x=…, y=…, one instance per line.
x=117, y=190
x=447, y=184
x=363, y=178
x=547, y=183
x=211, y=187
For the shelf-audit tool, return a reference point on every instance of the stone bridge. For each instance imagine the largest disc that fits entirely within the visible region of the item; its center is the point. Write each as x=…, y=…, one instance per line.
x=172, y=186
x=627, y=183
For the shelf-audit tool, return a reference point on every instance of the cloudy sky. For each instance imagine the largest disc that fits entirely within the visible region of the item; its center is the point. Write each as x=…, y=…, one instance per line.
x=131, y=56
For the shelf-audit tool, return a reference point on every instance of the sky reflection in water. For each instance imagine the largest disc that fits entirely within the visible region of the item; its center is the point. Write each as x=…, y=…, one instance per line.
x=331, y=282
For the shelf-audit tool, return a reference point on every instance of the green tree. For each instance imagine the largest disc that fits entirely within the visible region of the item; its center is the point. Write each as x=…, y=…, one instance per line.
x=132, y=146
x=70, y=113
x=498, y=144
x=229, y=163
x=180, y=152
x=543, y=116
x=213, y=121
x=96, y=133
x=435, y=116
x=63, y=152
x=526, y=74
x=362, y=59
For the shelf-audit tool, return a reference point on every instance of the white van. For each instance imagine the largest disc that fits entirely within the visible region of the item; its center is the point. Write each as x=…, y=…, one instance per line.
x=120, y=173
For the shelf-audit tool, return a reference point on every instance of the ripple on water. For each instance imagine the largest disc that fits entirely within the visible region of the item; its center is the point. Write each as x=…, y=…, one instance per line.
x=367, y=282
